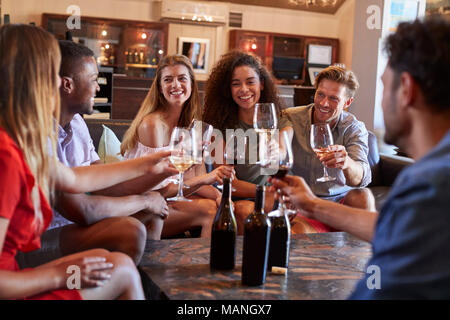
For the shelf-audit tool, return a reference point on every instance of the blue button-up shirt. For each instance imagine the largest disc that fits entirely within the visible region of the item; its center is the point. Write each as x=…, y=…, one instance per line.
x=412, y=236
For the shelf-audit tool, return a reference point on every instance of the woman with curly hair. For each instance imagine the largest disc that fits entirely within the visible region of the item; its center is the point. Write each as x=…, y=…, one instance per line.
x=173, y=101
x=237, y=82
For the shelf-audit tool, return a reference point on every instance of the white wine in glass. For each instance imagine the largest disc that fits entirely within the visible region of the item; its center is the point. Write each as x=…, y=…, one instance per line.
x=320, y=139
x=182, y=158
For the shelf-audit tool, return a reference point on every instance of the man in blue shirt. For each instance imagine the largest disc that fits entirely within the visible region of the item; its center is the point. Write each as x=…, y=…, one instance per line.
x=411, y=235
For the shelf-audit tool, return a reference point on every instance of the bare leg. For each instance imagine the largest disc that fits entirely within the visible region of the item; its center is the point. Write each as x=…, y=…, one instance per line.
x=242, y=209
x=298, y=226
x=186, y=215
x=360, y=198
x=152, y=222
x=125, y=282
x=123, y=234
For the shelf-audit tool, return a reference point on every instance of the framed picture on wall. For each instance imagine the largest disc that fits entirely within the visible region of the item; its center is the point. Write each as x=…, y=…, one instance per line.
x=320, y=54
x=313, y=72
x=197, y=50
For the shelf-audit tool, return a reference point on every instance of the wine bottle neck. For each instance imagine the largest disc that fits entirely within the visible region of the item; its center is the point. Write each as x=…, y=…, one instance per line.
x=259, y=200
x=226, y=191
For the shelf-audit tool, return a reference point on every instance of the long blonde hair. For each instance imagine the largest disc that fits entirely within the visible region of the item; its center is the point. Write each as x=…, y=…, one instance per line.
x=29, y=96
x=155, y=101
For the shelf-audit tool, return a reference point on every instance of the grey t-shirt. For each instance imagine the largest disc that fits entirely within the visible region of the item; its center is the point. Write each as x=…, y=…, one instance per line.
x=348, y=131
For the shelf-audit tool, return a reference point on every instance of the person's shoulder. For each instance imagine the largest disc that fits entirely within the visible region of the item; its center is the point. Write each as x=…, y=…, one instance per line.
x=432, y=172
x=349, y=121
x=7, y=145
x=152, y=123
x=296, y=115
x=151, y=130
x=296, y=110
x=78, y=123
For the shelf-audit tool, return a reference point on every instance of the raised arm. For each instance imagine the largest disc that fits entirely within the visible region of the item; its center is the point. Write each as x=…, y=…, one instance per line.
x=92, y=178
x=359, y=222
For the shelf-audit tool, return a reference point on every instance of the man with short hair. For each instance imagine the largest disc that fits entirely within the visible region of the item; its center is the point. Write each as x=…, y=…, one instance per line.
x=410, y=235
x=347, y=159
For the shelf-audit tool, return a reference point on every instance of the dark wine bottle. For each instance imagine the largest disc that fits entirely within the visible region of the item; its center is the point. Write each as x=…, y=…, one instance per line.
x=280, y=240
x=223, y=236
x=256, y=243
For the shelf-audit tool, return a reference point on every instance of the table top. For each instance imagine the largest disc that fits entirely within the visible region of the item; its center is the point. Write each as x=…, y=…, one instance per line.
x=321, y=266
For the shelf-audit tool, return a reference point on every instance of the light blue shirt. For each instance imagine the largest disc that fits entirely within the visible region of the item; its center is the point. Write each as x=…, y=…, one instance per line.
x=348, y=132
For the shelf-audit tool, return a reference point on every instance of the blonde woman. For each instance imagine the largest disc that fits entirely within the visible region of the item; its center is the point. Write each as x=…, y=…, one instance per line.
x=29, y=101
x=173, y=101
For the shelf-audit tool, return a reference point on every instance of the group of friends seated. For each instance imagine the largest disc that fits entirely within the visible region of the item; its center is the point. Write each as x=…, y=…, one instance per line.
x=60, y=207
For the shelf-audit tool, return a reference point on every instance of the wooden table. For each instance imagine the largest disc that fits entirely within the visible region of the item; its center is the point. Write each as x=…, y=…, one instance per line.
x=321, y=266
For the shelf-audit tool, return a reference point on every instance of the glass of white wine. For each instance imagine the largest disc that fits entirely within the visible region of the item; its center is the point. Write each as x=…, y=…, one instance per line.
x=182, y=157
x=320, y=139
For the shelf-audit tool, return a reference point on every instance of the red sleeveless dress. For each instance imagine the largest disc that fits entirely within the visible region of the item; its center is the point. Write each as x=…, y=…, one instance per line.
x=16, y=183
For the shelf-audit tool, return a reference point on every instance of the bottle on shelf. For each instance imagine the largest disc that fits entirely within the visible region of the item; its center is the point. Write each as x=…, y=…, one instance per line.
x=136, y=56
x=141, y=57
x=280, y=240
x=130, y=57
x=256, y=243
x=223, y=236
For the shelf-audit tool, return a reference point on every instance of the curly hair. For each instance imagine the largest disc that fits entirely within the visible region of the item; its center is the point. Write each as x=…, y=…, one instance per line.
x=422, y=49
x=155, y=101
x=220, y=110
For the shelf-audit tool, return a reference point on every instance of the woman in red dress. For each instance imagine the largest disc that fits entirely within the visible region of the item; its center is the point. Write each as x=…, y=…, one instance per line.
x=29, y=101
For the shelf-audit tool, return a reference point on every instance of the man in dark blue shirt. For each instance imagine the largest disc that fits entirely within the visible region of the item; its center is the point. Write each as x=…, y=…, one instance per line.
x=411, y=234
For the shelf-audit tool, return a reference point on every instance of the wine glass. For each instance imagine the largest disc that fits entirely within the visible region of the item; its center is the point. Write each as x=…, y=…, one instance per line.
x=265, y=117
x=265, y=122
x=201, y=133
x=182, y=157
x=320, y=139
x=285, y=163
x=202, y=129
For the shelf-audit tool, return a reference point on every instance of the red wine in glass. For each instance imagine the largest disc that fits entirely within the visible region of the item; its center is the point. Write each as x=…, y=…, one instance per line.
x=281, y=173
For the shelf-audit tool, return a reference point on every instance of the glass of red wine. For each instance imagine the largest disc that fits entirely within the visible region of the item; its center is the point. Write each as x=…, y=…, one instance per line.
x=285, y=163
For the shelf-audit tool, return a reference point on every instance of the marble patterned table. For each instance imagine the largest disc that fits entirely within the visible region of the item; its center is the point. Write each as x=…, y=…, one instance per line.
x=321, y=266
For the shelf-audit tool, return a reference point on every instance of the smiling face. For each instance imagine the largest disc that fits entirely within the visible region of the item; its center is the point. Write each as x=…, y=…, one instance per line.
x=245, y=87
x=85, y=86
x=176, y=85
x=329, y=101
